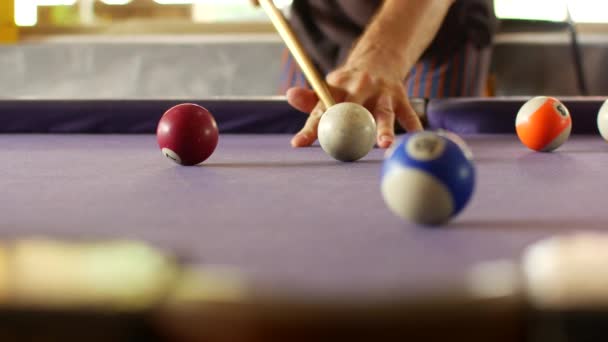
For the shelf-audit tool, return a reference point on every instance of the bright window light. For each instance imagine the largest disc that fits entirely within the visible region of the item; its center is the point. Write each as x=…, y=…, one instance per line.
x=589, y=11
x=52, y=2
x=582, y=11
x=553, y=10
x=278, y=3
x=26, y=13
x=175, y=2
x=116, y=2
x=229, y=10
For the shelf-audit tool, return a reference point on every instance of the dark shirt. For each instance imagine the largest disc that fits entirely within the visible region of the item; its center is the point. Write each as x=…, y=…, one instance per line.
x=328, y=28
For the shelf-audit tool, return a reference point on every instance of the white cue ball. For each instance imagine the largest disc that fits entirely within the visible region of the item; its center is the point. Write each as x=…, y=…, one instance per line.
x=347, y=131
x=602, y=120
x=568, y=271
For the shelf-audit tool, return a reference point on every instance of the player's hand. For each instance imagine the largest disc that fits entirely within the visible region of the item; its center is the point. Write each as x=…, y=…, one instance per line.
x=384, y=96
x=254, y=3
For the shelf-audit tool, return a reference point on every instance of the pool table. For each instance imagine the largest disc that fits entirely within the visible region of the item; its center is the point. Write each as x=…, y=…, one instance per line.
x=264, y=242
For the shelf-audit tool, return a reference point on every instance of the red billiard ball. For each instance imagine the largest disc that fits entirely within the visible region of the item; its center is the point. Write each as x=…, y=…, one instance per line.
x=187, y=134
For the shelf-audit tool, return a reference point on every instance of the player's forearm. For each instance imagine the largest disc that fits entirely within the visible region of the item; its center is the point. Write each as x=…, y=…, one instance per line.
x=398, y=35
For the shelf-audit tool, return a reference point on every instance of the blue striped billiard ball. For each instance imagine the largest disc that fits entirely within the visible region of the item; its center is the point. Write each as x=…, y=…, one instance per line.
x=427, y=178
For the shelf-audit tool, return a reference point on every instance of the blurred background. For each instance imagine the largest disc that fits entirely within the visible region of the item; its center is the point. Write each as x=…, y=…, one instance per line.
x=209, y=48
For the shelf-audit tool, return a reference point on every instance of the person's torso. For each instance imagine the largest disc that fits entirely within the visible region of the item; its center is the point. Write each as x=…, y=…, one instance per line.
x=328, y=28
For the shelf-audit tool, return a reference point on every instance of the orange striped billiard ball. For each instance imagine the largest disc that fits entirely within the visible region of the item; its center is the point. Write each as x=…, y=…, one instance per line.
x=543, y=124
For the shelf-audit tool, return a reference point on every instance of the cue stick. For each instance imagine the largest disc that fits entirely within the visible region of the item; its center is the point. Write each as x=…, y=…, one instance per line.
x=295, y=47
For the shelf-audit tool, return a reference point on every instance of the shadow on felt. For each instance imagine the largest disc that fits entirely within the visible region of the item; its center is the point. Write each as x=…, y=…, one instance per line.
x=287, y=164
x=554, y=225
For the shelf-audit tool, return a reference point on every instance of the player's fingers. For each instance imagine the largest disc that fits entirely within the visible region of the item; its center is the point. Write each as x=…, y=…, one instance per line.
x=359, y=92
x=302, y=99
x=308, y=134
x=338, y=77
x=407, y=117
x=385, y=120
x=346, y=87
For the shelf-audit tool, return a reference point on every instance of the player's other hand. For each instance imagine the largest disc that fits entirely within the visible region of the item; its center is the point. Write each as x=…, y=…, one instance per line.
x=381, y=93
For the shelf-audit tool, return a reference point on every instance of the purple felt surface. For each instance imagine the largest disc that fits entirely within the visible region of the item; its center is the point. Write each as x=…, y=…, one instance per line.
x=295, y=219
